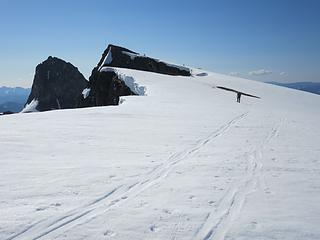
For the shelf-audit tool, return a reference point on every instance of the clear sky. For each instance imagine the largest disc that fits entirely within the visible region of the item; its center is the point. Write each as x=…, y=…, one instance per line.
x=266, y=40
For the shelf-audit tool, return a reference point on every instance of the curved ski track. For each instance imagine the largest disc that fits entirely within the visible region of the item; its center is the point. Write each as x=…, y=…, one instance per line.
x=218, y=222
x=120, y=194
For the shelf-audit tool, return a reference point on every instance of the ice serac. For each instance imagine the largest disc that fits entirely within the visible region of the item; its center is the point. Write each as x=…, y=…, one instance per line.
x=57, y=85
x=115, y=56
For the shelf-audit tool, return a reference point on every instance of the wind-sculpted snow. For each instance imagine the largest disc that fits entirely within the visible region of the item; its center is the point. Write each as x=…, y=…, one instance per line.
x=131, y=83
x=184, y=162
x=31, y=107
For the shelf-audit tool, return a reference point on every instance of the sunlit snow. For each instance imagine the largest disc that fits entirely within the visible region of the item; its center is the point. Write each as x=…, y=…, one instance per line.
x=184, y=162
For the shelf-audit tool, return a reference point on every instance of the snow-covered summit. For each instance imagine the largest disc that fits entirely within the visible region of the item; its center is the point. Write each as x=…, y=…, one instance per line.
x=183, y=161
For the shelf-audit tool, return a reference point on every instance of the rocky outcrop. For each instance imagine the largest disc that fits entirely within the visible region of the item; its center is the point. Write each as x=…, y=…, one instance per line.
x=115, y=56
x=6, y=113
x=57, y=85
x=104, y=88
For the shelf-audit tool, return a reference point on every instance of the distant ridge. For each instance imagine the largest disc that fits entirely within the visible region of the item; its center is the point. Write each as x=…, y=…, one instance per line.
x=312, y=87
x=13, y=98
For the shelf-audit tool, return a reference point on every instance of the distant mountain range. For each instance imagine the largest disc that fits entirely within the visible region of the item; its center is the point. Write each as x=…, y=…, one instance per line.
x=13, y=99
x=312, y=87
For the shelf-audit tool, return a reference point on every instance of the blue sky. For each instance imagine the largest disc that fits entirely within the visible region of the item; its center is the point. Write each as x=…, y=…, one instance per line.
x=266, y=40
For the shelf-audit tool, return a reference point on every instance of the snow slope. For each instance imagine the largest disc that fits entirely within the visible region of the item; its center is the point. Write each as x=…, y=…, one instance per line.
x=186, y=161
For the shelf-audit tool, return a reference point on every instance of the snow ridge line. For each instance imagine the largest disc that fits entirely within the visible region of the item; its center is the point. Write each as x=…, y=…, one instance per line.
x=228, y=210
x=119, y=195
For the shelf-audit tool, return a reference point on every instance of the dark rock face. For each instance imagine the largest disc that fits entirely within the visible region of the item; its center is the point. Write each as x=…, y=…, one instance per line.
x=115, y=56
x=59, y=85
x=56, y=85
x=6, y=113
x=104, y=88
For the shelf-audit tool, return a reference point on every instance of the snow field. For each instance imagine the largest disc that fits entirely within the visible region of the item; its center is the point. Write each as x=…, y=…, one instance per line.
x=185, y=161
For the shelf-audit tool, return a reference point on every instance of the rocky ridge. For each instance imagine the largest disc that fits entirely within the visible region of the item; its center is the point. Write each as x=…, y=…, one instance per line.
x=59, y=85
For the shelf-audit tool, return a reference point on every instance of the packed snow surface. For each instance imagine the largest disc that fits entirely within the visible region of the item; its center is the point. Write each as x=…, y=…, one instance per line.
x=184, y=162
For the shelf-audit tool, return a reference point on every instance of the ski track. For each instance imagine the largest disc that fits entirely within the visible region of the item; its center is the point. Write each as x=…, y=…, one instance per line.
x=121, y=194
x=219, y=221
x=177, y=226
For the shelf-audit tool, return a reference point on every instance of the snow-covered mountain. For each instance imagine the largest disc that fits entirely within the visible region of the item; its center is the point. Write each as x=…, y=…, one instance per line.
x=183, y=161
